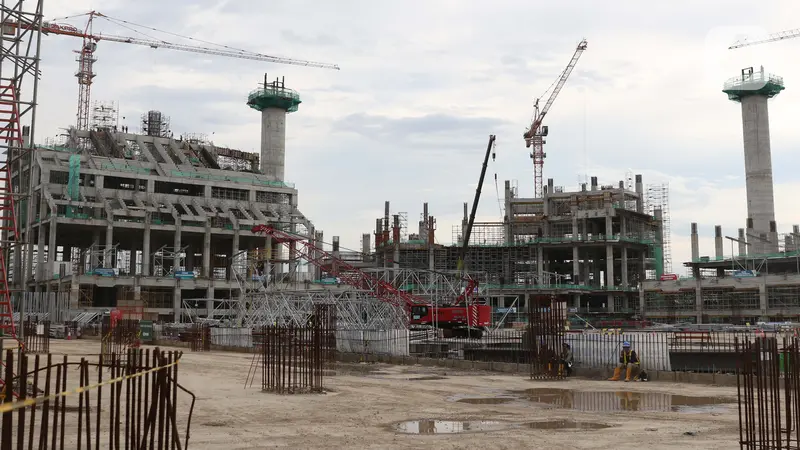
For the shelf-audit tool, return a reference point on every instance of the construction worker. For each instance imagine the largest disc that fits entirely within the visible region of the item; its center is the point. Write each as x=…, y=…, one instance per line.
x=628, y=360
x=567, y=358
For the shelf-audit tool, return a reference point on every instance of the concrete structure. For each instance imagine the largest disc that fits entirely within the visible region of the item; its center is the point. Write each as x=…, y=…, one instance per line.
x=738, y=288
x=598, y=244
x=752, y=90
x=152, y=223
x=274, y=101
x=760, y=280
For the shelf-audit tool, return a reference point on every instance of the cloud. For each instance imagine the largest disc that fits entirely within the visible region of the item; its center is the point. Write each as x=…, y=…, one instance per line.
x=424, y=82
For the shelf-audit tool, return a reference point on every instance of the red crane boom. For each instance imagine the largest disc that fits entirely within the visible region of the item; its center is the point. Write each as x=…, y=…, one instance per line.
x=463, y=313
x=536, y=133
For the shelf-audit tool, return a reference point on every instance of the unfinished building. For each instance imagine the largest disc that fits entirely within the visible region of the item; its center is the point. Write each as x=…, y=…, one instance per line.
x=598, y=244
x=155, y=222
x=760, y=278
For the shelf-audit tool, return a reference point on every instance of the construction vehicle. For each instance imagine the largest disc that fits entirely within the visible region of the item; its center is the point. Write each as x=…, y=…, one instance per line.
x=535, y=135
x=464, y=316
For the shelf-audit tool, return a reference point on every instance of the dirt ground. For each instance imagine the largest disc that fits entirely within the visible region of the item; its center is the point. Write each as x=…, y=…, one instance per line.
x=365, y=402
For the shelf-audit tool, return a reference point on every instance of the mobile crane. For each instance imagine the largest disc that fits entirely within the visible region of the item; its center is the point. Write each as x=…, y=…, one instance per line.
x=464, y=316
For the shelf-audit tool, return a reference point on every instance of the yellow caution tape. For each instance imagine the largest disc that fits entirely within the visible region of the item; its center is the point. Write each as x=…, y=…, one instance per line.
x=13, y=406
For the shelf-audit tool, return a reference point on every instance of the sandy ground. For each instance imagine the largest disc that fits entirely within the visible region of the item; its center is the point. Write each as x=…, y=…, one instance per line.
x=366, y=401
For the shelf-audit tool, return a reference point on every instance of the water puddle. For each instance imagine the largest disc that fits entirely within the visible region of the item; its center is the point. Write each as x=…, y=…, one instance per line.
x=622, y=400
x=565, y=424
x=486, y=400
x=431, y=426
x=427, y=378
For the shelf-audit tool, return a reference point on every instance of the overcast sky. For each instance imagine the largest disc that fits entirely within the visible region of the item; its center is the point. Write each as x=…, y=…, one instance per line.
x=423, y=84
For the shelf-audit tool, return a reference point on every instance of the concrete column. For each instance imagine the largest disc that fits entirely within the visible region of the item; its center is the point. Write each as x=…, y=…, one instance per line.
x=108, y=254
x=177, y=301
x=609, y=266
x=146, y=246
x=742, y=243
x=576, y=265
x=51, y=250
x=755, y=244
x=210, y=302
x=365, y=246
x=509, y=217
x=207, y=251
x=640, y=191
x=234, y=251
x=177, y=243
x=95, y=259
x=610, y=302
x=758, y=164
x=773, y=237
x=540, y=266
x=718, y=252
x=273, y=142
x=624, y=268
x=698, y=301
x=762, y=296
x=319, y=244
x=40, y=251
x=695, y=243
x=609, y=232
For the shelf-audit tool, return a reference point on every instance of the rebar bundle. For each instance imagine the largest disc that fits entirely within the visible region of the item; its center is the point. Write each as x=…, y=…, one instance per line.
x=769, y=414
x=200, y=337
x=544, y=339
x=37, y=336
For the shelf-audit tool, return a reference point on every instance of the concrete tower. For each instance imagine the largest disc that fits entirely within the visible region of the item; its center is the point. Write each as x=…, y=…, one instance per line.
x=274, y=101
x=752, y=90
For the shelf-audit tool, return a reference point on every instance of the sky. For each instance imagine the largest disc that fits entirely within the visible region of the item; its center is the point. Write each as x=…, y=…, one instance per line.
x=424, y=83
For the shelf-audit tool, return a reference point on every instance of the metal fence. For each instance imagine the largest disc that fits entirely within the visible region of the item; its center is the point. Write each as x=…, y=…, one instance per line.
x=123, y=401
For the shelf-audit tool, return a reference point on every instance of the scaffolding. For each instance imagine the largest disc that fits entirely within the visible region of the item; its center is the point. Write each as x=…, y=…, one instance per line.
x=658, y=198
x=95, y=260
x=105, y=116
x=168, y=260
x=155, y=124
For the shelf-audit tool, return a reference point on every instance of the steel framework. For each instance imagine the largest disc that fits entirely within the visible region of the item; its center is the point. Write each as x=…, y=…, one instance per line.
x=263, y=303
x=19, y=71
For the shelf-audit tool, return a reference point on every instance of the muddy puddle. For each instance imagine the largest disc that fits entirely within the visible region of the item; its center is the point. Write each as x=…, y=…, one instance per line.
x=622, y=400
x=565, y=424
x=431, y=426
x=426, y=378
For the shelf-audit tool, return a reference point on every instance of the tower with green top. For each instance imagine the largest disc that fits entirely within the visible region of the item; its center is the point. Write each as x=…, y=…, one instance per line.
x=274, y=101
x=753, y=90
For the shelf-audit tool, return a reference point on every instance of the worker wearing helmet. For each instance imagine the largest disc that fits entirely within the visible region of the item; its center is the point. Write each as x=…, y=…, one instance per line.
x=567, y=358
x=628, y=360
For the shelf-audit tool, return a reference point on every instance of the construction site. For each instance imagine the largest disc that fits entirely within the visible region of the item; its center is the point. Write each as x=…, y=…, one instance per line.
x=130, y=255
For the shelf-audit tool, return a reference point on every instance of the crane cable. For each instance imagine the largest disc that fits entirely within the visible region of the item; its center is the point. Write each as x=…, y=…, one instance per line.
x=496, y=186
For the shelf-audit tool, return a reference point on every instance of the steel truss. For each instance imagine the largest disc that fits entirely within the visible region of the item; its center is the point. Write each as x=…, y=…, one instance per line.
x=263, y=303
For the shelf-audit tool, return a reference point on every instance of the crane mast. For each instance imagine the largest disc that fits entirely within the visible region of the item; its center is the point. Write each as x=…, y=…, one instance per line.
x=779, y=36
x=536, y=133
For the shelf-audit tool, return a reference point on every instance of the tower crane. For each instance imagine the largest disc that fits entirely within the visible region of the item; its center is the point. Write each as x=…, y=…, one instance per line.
x=779, y=36
x=86, y=58
x=536, y=133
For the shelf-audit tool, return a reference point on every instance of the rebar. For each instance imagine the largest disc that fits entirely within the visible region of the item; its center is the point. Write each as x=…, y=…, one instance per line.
x=200, y=337
x=544, y=338
x=138, y=412
x=118, y=336
x=37, y=336
x=294, y=359
x=769, y=417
